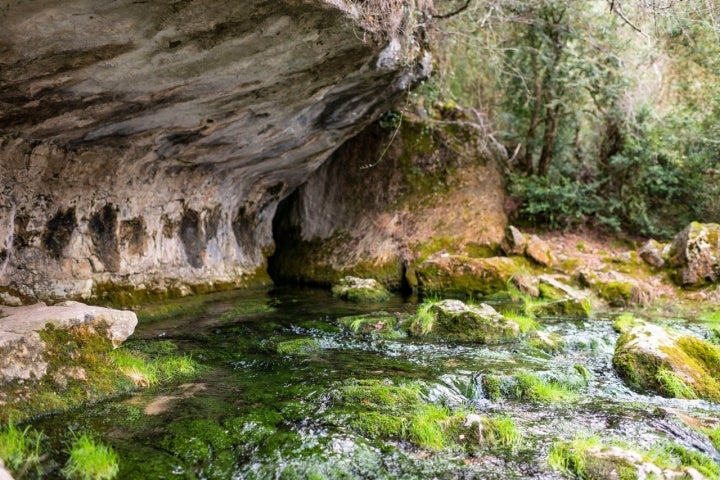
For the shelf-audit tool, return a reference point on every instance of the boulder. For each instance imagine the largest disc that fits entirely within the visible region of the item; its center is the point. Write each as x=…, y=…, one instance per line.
x=650, y=357
x=562, y=299
x=459, y=275
x=4, y=474
x=22, y=348
x=539, y=251
x=356, y=289
x=514, y=242
x=654, y=253
x=695, y=254
x=455, y=320
x=618, y=289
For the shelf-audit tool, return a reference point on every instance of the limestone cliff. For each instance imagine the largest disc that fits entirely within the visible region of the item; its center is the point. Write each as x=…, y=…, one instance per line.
x=147, y=144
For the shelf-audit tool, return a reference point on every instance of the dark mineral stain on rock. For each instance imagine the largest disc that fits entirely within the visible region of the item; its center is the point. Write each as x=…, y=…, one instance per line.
x=103, y=228
x=58, y=231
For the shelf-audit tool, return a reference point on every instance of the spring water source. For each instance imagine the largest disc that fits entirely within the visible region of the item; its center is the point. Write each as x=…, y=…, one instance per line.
x=255, y=413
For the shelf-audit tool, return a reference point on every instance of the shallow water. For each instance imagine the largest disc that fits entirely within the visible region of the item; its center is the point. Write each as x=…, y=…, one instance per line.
x=257, y=414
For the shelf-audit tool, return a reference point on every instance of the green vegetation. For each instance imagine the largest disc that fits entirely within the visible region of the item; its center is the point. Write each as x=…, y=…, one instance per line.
x=376, y=324
x=91, y=460
x=19, y=448
x=423, y=321
x=625, y=321
x=501, y=432
x=297, y=347
x=531, y=387
x=674, y=385
x=565, y=86
x=526, y=323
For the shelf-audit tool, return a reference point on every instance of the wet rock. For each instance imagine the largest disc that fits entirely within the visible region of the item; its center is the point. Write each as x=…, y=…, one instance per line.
x=650, y=357
x=356, y=289
x=539, y=251
x=455, y=320
x=9, y=300
x=654, y=253
x=453, y=274
x=514, y=242
x=21, y=347
x=562, y=299
x=618, y=289
x=298, y=347
x=695, y=254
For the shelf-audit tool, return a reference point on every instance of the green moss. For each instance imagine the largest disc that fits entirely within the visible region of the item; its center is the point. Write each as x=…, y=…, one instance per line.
x=492, y=387
x=683, y=457
x=673, y=385
x=354, y=289
x=423, y=322
x=617, y=293
x=428, y=426
x=625, y=321
x=376, y=324
x=574, y=460
x=298, y=347
x=549, y=343
x=526, y=323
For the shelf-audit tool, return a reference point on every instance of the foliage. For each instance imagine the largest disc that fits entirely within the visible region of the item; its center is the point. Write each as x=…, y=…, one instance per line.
x=19, y=448
x=91, y=460
x=606, y=117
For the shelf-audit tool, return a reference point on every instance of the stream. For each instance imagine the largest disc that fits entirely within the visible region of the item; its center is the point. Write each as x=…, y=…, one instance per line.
x=254, y=413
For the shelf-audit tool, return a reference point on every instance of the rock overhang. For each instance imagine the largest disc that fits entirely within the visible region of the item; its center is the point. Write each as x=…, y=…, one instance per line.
x=147, y=141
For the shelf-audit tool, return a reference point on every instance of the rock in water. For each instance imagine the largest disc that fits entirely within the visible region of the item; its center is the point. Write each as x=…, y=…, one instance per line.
x=481, y=323
x=356, y=289
x=650, y=357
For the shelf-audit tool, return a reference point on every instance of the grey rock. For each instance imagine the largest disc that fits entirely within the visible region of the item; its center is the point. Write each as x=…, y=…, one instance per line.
x=357, y=289
x=21, y=348
x=695, y=254
x=514, y=242
x=147, y=145
x=481, y=323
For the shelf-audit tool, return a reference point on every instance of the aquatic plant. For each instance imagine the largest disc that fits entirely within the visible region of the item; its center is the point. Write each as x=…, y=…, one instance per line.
x=525, y=323
x=423, y=321
x=673, y=385
x=299, y=346
x=529, y=386
x=19, y=448
x=501, y=432
x=570, y=458
x=91, y=460
x=624, y=322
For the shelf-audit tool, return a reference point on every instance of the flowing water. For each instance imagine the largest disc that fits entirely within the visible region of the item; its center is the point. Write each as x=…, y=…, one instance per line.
x=257, y=414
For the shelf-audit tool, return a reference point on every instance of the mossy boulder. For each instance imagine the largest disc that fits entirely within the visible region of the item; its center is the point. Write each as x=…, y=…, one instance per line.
x=460, y=275
x=618, y=289
x=455, y=320
x=695, y=255
x=298, y=347
x=650, y=357
x=559, y=299
x=354, y=289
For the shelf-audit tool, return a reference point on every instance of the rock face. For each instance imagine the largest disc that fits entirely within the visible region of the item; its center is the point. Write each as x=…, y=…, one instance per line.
x=389, y=199
x=21, y=348
x=147, y=145
x=458, y=275
x=695, y=253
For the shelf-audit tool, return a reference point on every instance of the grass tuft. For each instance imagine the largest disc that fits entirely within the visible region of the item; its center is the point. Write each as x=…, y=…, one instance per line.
x=673, y=385
x=19, y=448
x=91, y=460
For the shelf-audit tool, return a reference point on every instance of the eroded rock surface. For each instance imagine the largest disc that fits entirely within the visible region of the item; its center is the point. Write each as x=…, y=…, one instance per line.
x=22, y=348
x=695, y=253
x=147, y=145
x=455, y=320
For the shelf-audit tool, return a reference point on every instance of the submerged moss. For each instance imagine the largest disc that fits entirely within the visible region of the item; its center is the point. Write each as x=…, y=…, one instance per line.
x=297, y=347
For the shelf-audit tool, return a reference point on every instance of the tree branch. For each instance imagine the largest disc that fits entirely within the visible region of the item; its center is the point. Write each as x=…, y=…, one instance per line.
x=452, y=14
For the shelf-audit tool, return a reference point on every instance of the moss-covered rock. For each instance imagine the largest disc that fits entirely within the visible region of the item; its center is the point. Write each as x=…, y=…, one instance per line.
x=560, y=299
x=460, y=275
x=298, y=347
x=695, y=254
x=455, y=320
x=354, y=289
x=649, y=357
